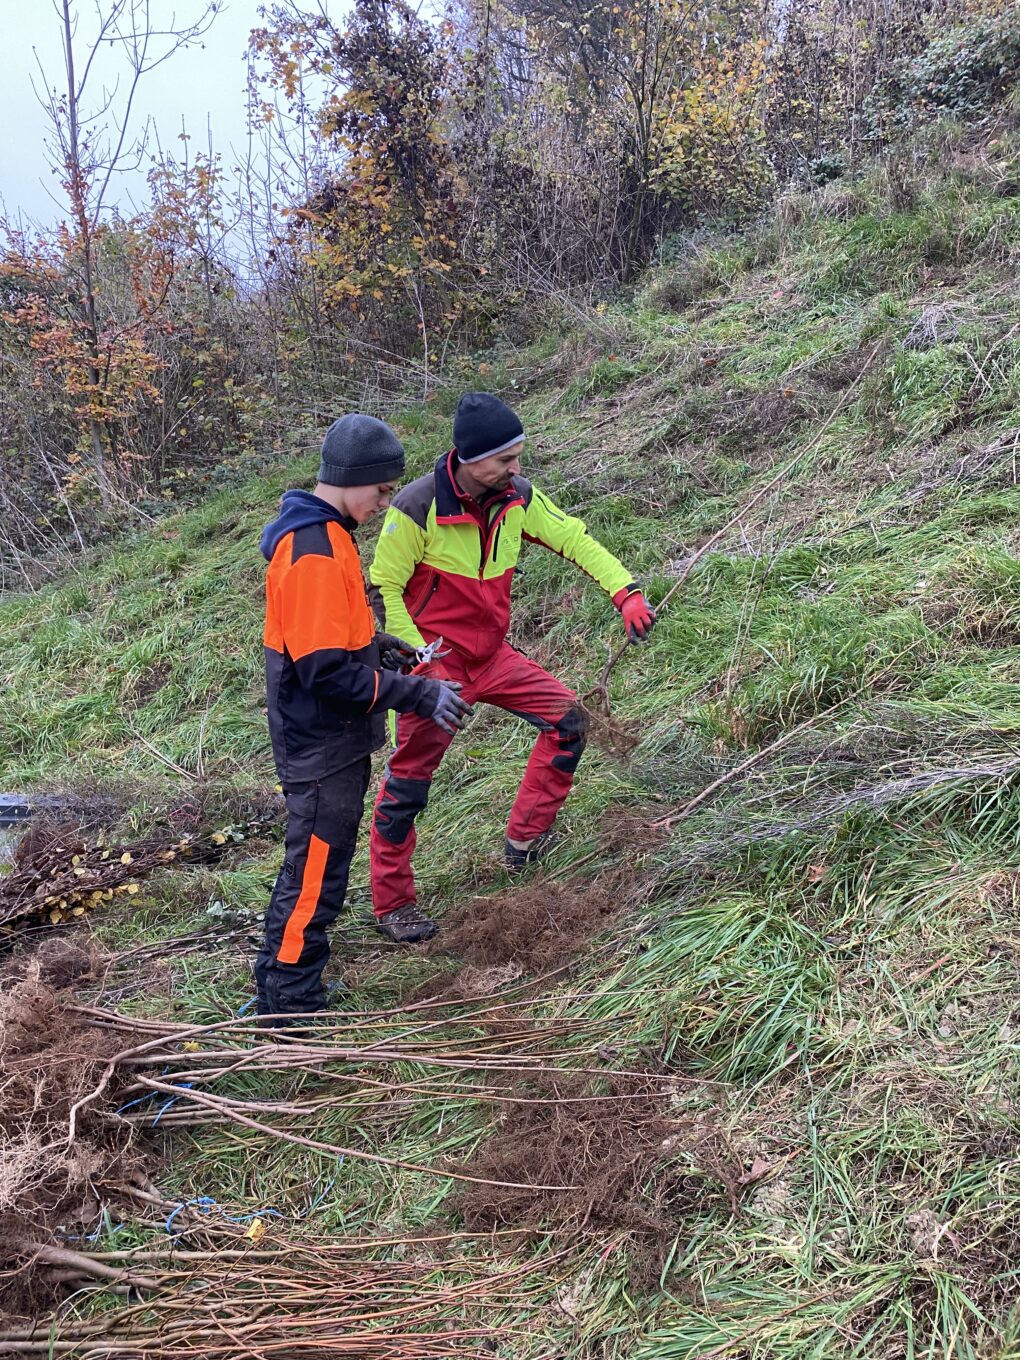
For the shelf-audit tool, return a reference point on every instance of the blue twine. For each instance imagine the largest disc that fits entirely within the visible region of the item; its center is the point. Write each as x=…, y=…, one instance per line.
x=183, y=1086
x=109, y=1228
x=206, y=1202
x=104, y=1227
x=319, y=1198
x=153, y=1095
x=149, y=1095
x=203, y=1202
x=140, y=1101
x=247, y=1006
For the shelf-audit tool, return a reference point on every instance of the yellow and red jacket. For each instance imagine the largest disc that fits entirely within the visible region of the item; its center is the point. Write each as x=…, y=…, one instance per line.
x=444, y=565
x=325, y=692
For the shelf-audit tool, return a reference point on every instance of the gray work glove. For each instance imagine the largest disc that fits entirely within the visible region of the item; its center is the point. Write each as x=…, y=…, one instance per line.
x=441, y=702
x=394, y=652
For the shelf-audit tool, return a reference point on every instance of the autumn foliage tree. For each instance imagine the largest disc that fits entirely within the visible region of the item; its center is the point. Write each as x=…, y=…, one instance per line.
x=145, y=374
x=112, y=326
x=429, y=182
x=387, y=230
x=516, y=147
x=106, y=370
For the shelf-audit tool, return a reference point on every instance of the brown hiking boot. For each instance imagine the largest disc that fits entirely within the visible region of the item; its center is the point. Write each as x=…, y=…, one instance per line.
x=406, y=925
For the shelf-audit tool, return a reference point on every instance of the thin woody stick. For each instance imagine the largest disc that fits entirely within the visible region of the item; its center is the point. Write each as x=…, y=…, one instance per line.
x=601, y=689
x=679, y=814
x=685, y=811
x=219, y=1104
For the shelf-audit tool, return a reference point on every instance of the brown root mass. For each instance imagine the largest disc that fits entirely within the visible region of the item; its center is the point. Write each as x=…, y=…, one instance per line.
x=468, y=983
x=605, y=731
x=56, y=963
x=49, y=1059
x=606, y=1150
x=538, y=925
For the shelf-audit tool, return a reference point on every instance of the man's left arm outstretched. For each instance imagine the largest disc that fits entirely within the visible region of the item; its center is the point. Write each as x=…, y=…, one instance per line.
x=548, y=525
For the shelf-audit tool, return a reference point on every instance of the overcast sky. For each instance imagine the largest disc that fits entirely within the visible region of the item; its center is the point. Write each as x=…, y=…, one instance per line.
x=200, y=86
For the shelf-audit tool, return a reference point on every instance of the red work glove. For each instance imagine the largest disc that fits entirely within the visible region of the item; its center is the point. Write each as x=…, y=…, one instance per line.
x=638, y=614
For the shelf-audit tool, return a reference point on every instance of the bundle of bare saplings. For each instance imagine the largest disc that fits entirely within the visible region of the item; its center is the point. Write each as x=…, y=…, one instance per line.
x=59, y=874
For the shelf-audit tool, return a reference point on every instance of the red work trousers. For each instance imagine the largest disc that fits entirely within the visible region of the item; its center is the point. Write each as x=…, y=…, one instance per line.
x=509, y=681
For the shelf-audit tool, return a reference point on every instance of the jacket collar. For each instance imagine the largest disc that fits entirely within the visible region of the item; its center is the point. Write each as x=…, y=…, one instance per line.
x=451, y=502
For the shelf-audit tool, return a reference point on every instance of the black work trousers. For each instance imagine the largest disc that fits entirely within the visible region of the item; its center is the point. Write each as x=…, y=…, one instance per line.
x=322, y=832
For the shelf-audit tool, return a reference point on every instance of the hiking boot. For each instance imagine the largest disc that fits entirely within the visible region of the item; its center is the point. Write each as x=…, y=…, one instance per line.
x=406, y=925
x=335, y=996
x=278, y=1027
x=517, y=858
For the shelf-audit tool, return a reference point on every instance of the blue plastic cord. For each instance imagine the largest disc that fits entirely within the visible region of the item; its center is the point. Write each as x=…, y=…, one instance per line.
x=319, y=1198
x=149, y=1095
x=203, y=1202
x=206, y=1202
x=183, y=1086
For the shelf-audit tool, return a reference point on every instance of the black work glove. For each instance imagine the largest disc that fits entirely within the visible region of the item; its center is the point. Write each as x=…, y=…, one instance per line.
x=442, y=703
x=394, y=652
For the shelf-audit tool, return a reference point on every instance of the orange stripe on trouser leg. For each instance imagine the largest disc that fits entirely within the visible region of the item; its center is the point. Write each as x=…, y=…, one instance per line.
x=308, y=900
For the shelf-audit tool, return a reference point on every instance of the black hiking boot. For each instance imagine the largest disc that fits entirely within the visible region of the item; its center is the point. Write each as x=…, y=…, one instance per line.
x=335, y=997
x=516, y=859
x=280, y=1027
x=406, y=925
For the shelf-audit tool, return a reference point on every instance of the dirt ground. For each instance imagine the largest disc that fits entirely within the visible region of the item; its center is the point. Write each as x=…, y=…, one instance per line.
x=631, y=1171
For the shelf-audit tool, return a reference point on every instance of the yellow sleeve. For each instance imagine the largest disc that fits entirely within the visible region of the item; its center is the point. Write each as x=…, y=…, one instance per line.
x=400, y=548
x=545, y=523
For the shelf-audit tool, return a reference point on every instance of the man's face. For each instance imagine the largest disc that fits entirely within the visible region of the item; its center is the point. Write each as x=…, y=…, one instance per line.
x=365, y=501
x=495, y=472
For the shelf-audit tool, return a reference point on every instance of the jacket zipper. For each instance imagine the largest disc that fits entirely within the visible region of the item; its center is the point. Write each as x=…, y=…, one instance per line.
x=428, y=596
x=502, y=513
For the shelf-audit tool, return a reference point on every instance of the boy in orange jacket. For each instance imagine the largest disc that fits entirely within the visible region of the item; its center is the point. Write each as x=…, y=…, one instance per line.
x=329, y=679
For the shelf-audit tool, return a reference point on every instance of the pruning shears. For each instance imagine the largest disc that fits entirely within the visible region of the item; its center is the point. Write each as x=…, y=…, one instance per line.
x=426, y=655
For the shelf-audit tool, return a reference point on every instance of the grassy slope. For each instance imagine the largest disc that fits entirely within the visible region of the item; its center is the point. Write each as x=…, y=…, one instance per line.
x=836, y=935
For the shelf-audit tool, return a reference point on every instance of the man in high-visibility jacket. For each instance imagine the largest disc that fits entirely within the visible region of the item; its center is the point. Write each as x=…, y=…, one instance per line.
x=443, y=567
x=329, y=677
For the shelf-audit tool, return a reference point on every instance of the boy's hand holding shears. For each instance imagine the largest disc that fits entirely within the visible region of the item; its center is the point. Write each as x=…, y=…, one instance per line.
x=441, y=699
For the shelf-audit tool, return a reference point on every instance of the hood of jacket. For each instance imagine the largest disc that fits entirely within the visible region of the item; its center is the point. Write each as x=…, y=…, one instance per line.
x=299, y=509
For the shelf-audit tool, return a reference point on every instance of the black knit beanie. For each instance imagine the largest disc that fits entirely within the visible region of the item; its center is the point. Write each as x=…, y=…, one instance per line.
x=359, y=450
x=484, y=425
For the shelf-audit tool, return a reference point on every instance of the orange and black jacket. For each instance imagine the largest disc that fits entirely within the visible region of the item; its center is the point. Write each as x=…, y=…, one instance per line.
x=325, y=691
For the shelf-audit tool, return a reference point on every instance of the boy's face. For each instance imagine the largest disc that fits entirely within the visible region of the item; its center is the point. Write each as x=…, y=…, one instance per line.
x=365, y=501
x=495, y=472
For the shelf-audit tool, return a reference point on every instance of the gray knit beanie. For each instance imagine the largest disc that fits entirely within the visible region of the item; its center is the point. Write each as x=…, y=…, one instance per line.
x=359, y=450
